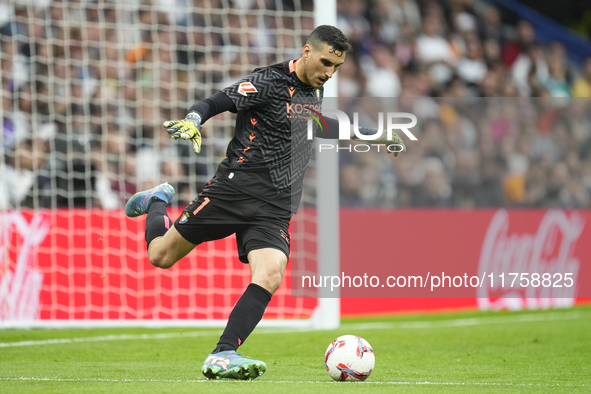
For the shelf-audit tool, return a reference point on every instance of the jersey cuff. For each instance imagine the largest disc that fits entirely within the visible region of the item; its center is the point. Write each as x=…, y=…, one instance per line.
x=216, y=104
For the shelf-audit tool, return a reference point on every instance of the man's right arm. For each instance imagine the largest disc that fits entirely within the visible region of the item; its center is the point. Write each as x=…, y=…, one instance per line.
x=189, y=128
x=216, y=104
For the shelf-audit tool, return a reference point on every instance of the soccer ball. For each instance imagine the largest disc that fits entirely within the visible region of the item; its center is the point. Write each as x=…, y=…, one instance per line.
x=349, y=357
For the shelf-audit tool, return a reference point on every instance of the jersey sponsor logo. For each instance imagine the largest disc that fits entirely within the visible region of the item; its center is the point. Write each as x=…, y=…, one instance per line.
x=291, y=91
x=246, y=87
x=300, y=111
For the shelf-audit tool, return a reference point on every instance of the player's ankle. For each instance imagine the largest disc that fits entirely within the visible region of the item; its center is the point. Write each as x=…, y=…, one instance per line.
x=155, y=200
x=222, y=347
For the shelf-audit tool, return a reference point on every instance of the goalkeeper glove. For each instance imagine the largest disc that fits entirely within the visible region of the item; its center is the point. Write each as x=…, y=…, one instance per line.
x=395, y=145
x=187, y=129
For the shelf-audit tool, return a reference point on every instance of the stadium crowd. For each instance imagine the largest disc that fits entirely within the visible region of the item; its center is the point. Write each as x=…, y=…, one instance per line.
x=505, y=120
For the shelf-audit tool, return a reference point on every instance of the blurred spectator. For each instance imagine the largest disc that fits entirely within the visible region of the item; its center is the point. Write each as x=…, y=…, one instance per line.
x=491, y=28
x=557, y=83
x=434, y=51
x=389, y=16
x=350, y=182
x=490, y=190
x=435, y=189
x=381, y=73
x=19, y=179
x=86, y=86
x=353, y=22
x=472, y=67
x=535, y=187
x=466, y=180
x=351, y=81
x=526, y=37
x=582, y=86
x=530, y=62
x=557, y=51
x=514, y=187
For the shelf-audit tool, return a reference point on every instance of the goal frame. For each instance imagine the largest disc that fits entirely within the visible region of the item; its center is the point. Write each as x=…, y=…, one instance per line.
x=327, y=312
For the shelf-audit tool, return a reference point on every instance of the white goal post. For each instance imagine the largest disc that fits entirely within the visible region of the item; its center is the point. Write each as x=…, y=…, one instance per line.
x=85, y=88
x=328, y=314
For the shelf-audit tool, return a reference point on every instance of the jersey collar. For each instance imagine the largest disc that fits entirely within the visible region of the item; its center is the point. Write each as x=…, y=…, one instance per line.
x=291, y=65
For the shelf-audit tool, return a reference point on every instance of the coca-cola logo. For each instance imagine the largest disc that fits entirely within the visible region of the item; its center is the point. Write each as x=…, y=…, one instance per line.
x=511, y=260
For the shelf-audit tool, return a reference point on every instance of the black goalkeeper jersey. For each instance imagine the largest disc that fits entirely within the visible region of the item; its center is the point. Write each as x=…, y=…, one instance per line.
x=268, y=155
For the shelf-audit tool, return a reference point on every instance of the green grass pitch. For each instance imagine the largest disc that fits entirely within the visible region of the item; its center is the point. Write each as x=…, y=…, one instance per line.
x=542, y=351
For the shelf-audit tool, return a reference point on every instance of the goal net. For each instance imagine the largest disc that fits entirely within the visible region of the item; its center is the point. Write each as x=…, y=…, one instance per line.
x=85, y=88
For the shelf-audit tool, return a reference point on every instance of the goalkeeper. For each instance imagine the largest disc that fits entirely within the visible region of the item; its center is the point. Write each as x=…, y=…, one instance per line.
x=255, y=189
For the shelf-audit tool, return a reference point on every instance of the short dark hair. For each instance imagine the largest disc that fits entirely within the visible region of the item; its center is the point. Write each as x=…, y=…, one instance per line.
x=326, y=34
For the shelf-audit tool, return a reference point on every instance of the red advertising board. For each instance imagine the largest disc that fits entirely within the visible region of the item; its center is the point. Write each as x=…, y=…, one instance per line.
x=92, y=264
x=491, y=259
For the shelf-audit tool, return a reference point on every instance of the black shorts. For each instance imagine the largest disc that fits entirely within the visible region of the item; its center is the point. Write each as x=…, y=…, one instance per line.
x=220, y=210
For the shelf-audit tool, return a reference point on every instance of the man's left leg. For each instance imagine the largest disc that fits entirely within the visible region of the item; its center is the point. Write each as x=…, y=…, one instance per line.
x=267, y=267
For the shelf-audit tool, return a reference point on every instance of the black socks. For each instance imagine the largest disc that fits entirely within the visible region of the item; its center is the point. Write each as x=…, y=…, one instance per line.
x=157, y=221
x=245, y=316
x=249, y=309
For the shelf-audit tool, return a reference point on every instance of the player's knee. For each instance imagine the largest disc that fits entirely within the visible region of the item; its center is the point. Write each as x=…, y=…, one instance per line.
x=159, y=263
x=271, y=279
x=160, y=260
x=267, y=267
x=275, y=277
